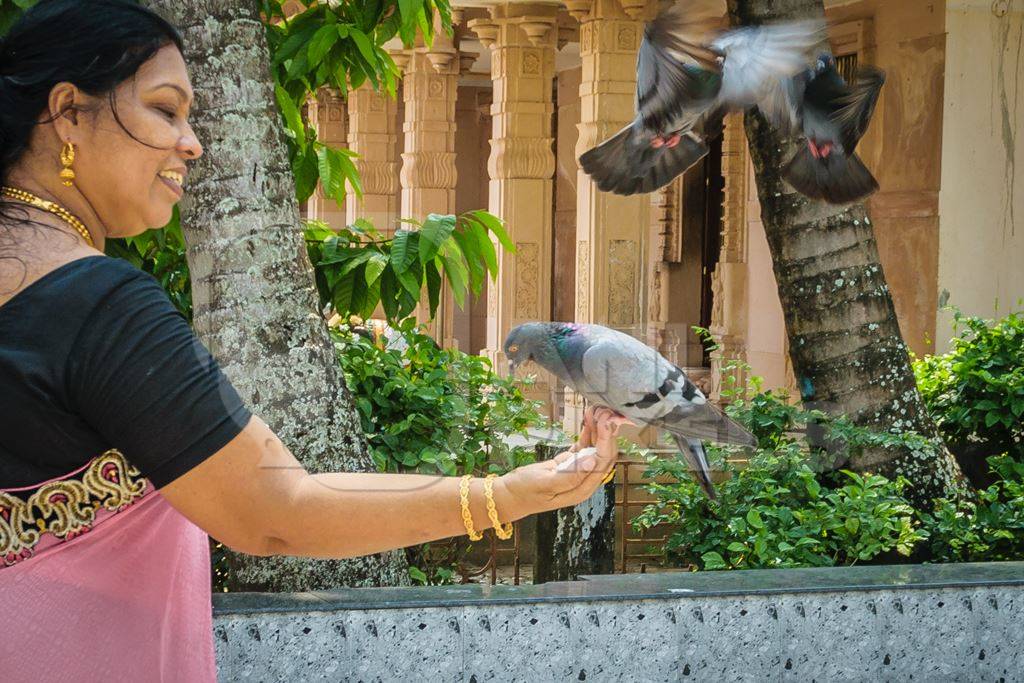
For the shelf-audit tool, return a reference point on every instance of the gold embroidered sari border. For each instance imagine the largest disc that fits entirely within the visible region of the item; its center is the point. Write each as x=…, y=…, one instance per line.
x=68, y=507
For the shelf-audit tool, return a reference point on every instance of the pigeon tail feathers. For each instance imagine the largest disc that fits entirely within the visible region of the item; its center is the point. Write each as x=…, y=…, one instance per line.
x=627, y=164
x=834, y=178
x=696, y=457
x=706, y=422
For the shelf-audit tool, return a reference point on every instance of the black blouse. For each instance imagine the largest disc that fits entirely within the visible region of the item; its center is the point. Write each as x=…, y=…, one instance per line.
x=94, y=356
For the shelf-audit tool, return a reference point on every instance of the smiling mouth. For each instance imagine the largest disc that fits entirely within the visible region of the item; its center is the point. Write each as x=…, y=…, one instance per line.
x=173, y=180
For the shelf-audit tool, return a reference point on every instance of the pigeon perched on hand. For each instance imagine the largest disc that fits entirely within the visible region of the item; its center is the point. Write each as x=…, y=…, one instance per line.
x=690, y=73
x=833, y=116
x=612, y=369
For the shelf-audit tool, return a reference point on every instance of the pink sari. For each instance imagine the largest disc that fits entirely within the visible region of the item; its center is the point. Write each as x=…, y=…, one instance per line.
x=101, y=579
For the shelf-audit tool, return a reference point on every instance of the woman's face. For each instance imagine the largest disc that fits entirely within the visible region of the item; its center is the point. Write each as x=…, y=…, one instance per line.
x=134, y=180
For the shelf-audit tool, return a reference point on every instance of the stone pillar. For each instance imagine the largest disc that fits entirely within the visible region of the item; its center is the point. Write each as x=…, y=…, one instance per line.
x=665, y=249
x=521, y=166
x=729, y=281
x=428, y=173
x=373, y=134
x=327, y=117
x=611, y=231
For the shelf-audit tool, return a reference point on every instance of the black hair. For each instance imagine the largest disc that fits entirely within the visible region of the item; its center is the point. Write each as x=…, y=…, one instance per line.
x=94, y=44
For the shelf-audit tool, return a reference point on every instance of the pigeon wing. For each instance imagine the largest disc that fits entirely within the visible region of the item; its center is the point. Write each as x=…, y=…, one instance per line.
x=856, y=108
x=676, y=71
x=758, y=58
x=637, y=381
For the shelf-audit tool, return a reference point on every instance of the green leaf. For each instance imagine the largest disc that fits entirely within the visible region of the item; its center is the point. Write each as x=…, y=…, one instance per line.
x=754, y=518
x=713, y=560
x=389, y=294
x=292, y=118
x=375, y=266
x=433, y=278
x=497, y=227
x=455, y=270
x=485, y=246
x=401, y=254
x=435, y=231
x=409, y=9
x=307, y=174
x=341, y=295
x=477, y=269
x=321, y=44
x=736, y=547
x=410, y=283
x=416, y=574
x=366, y=50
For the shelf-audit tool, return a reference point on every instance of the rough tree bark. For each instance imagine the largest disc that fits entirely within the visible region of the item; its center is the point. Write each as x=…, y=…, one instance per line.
x=844, y=340
x=575, y=540
x=255, y=303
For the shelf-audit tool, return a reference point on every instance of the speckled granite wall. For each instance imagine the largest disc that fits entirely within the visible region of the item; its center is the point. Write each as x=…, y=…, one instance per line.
x=924, y=624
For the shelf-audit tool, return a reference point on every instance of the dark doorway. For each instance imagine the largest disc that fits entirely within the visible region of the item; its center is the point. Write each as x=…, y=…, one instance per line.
x=701, y=229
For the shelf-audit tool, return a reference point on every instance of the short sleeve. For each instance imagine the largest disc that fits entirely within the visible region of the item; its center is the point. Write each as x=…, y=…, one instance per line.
x=141, y=378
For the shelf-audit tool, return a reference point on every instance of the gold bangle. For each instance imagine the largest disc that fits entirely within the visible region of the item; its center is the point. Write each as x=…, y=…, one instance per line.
x=610, y=476
x=467, y=516
x=503, y=532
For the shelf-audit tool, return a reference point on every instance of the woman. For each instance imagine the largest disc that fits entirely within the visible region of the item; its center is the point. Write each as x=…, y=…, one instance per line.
x=122, y=445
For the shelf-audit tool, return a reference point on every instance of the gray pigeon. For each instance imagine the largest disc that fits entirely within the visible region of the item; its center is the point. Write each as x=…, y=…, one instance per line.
x=690, y=73
x=611, y=368
x=832, y=116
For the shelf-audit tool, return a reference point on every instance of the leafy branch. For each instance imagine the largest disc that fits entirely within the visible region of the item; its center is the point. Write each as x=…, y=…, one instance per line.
x=358, y=268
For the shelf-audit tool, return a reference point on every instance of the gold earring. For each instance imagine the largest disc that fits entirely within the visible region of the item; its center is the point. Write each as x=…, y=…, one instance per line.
x=67, y=157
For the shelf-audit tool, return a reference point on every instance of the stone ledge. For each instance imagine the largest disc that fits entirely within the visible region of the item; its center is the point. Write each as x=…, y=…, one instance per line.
x=632, y=587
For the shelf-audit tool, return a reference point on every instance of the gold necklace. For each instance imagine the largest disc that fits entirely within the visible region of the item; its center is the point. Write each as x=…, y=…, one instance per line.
x=53, y=207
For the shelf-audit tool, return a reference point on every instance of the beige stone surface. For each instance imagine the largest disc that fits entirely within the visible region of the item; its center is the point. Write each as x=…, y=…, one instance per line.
x=373, y=135
x=522, y=39
x=981, y=204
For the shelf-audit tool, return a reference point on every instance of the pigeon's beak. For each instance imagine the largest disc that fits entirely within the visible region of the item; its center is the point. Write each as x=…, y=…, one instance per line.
x=512, y=365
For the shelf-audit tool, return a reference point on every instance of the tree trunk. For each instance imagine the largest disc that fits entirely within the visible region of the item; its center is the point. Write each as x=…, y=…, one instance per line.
x=844, y=340
x=255, y=303
x=575, y=540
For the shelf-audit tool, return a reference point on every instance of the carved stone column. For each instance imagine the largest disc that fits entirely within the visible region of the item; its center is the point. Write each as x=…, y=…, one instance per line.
x=521, y=166
x=327, y=117
x=373, y=134
x=729, y=281
x=611, y=231
x=428, y=173
x=665, y=249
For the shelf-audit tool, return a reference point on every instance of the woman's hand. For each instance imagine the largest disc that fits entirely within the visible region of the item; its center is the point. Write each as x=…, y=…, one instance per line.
x=541, y=487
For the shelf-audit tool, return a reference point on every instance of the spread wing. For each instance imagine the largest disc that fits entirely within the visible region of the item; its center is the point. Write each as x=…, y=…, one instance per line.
x=676, y=70
x=758, y=58
x=856, y=108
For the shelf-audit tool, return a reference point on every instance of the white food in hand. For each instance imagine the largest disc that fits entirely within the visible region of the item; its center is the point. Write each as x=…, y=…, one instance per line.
x=572, y=462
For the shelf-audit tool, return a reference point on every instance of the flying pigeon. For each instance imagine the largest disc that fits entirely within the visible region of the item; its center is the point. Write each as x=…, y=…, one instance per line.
x=690, y=73
x=613, y=369
x=832, y=116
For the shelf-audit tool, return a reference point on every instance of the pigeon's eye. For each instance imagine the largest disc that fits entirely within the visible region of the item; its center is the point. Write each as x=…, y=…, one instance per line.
x=514, y=348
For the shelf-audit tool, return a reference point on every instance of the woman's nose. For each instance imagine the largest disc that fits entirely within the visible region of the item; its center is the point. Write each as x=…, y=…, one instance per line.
x=189, y=144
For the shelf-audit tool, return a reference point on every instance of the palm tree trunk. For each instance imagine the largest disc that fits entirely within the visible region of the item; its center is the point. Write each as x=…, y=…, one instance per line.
x=844, y=340
x=255, y=303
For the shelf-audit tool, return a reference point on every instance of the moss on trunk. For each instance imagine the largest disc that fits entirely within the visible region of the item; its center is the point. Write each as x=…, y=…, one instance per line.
x=844, y=339
x=255, y=302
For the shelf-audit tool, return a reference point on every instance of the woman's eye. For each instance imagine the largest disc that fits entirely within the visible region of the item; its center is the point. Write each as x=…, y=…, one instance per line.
x=169, y=113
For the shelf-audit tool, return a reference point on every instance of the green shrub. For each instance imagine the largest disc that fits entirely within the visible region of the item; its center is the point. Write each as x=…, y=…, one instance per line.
x=984, y=531
x=976, y=391
x=775, y=513
x=431, y=410
x=790, y=505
